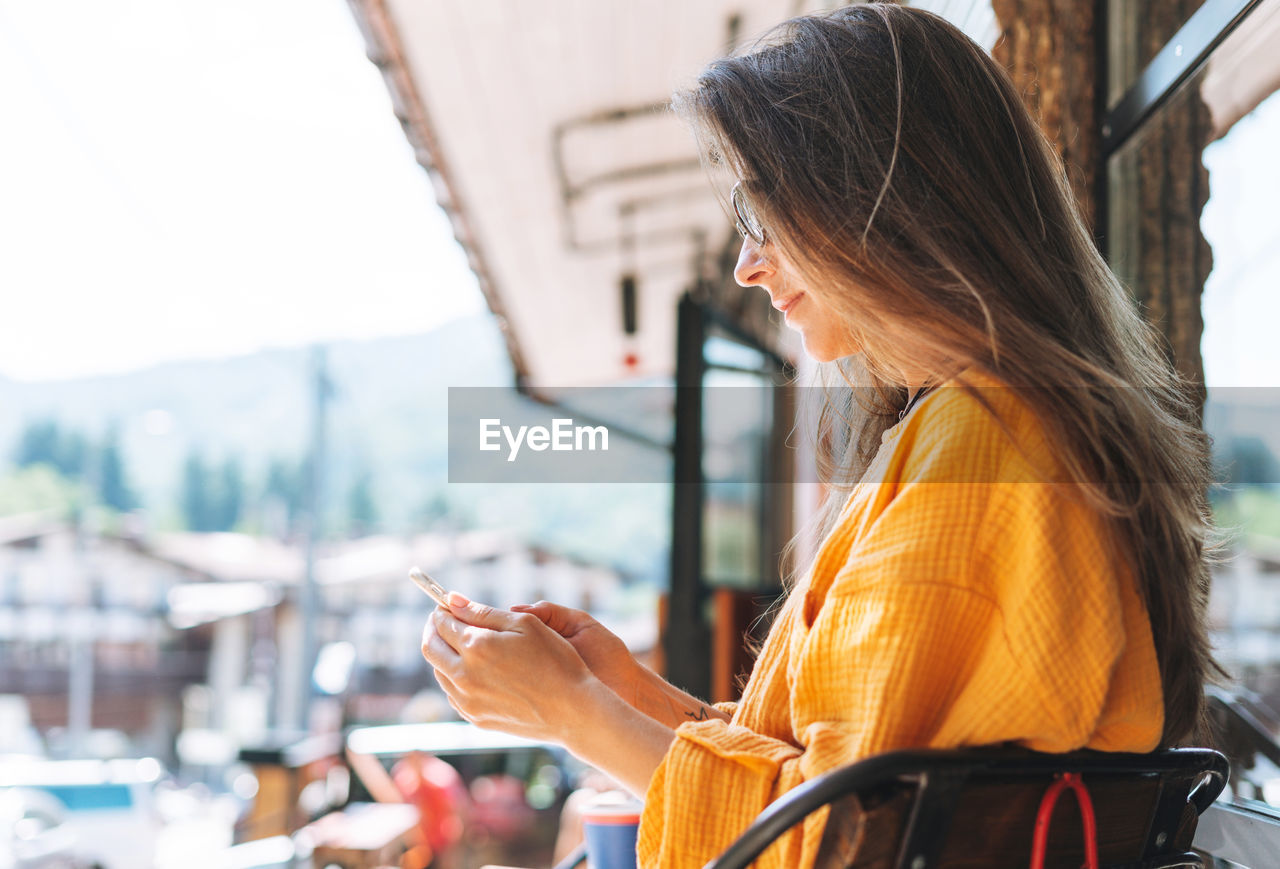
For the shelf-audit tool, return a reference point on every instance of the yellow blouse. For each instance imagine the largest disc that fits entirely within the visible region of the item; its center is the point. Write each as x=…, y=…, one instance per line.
x=961, y=599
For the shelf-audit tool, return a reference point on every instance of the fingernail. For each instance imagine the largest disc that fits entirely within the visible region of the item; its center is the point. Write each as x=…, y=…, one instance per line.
x=457, y=598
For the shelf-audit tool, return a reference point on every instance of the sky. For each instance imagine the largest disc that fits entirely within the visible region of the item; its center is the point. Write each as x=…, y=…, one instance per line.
x=202, y=178
x=1241, y=302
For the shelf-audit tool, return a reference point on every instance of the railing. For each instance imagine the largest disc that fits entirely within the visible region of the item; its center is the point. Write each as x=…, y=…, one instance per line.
x=171, y=670
x=1238, y=829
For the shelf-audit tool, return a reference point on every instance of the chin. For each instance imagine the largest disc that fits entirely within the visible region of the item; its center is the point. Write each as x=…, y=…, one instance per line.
x=821, y=357
x=820, y=351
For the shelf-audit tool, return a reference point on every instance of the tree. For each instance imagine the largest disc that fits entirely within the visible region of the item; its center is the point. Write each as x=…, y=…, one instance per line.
x=212, y=499
x=113, y=486
x=362, y=509
x=229, y=500
x=40, y=487
x=1250, y=462
x=42, y=443
x=284, y=492
x=436, y=509
x=37, y=444
x=196, y=511
x=72, y=456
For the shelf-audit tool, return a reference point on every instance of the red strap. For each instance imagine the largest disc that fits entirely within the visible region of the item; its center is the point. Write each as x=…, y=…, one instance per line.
x=1045, y=814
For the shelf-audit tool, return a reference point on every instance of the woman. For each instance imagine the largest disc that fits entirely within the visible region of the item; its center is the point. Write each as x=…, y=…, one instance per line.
x=1020, y=558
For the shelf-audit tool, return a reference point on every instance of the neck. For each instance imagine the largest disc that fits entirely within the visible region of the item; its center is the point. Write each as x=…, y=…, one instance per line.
x=916, y=379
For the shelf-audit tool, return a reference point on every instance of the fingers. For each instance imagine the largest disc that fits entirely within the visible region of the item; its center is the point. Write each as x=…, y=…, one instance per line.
x=438, y=653
x=484, y=616
x=442, y=657
x=448, y=687
x=539, y=609
x=451, y=693
x=561, y=619
x=449, y=643
x=452, y=631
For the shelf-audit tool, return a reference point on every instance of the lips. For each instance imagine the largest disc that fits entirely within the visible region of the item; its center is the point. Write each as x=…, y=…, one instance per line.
x=785, y=305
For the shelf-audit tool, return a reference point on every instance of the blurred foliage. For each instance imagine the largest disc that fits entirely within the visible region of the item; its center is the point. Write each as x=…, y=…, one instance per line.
x=212, y=498
x=45, y=443
x=1249, y=511
x=68, y=471
x=284, y=495
x=39, y=487
x=730, y=555
x=1246, y=460
x=112, y=482
x=436, y=509
x=362, y=507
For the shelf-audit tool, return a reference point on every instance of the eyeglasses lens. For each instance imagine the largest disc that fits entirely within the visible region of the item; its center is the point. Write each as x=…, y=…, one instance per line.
x=748, y=226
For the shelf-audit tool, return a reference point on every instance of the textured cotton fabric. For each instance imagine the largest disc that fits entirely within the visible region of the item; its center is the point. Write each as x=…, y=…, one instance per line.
x=962, y=599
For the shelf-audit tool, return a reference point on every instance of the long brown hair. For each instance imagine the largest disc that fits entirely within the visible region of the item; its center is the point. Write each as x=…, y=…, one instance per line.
x=893, y=161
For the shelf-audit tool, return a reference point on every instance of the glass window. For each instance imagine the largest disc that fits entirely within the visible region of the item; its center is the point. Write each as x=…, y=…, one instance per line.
x=1137, y=33
x=737, y=419
x=1157, y=188
x=1191, y=230
x=741, y=527
x=722, y=351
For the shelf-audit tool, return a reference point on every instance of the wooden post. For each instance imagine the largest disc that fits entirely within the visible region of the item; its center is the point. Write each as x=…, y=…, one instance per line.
x=1049, y=47
x=1157, y=184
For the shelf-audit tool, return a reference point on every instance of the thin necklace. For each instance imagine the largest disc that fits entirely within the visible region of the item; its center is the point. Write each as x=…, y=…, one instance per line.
x=910, y=404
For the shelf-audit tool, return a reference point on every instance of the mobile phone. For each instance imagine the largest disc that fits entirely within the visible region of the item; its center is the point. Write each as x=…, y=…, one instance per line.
x=435, y=590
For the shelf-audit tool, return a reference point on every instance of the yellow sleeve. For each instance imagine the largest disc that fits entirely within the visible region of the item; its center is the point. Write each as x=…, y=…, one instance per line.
x=728, y=707
x=878, y=669
x=713, y=781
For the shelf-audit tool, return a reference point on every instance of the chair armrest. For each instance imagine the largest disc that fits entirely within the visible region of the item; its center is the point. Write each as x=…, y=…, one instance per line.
x=939, y=773
x=799, y=802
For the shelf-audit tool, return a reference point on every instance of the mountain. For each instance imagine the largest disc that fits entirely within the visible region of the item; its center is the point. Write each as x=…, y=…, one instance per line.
x=386, y=419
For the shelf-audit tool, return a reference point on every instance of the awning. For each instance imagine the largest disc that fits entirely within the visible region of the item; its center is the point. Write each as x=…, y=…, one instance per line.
x=544, y=130
x=542, y=126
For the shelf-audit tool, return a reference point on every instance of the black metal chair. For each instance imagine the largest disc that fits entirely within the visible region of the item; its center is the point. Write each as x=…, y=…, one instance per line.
x=979, y=807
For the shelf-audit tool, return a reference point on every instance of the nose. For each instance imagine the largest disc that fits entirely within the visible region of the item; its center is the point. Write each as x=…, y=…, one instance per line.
x=752, y=268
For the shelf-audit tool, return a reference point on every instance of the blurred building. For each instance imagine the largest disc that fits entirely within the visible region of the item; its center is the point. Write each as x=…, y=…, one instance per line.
x=146, y=636
x=84, y=636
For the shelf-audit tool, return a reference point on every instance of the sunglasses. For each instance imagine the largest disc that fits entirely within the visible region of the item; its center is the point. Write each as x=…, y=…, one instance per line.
x=746, y=221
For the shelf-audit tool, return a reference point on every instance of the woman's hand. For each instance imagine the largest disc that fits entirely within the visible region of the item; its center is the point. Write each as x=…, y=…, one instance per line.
x=607, y=656
x=507, y=671
x=614, y=665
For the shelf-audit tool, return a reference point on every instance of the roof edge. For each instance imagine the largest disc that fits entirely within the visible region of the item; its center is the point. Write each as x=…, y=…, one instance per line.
x=384, y=51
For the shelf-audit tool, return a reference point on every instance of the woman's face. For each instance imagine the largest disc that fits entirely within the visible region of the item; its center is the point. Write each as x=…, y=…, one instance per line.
x=825, y=337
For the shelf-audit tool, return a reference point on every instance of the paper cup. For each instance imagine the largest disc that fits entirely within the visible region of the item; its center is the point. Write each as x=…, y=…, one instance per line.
x=610, y=828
